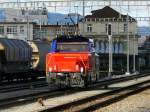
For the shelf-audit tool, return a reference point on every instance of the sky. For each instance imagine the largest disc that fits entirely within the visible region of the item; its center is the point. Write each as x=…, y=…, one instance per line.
x=133, y=11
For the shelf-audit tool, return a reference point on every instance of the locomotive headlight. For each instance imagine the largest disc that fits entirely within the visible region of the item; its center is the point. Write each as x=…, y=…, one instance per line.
x=77, y=67
x=81, y=69
x=50, y=69
x=55, y=67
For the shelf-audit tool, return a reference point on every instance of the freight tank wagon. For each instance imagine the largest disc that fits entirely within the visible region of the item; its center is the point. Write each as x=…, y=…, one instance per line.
x=15, y=58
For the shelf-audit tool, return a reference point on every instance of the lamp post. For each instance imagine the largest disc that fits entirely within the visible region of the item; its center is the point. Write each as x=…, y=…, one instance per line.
x=127, y=31
x=109, y=33
x=27, y=17
x=83, y=2
x=134, y=69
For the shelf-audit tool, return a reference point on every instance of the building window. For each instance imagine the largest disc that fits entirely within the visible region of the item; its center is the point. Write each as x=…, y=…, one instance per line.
x=106, y=28
x=1, y=29
x=89, y=28
x=12, y=29
x=57, y=31
x=125, y=27
x=21, y=29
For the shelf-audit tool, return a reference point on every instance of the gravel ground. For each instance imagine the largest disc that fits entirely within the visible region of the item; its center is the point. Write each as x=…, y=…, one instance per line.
x=135, y=103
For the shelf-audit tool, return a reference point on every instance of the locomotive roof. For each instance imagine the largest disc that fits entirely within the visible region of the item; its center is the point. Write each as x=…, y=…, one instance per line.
x=72, y=39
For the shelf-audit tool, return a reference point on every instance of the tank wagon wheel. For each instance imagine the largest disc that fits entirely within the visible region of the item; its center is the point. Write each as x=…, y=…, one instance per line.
x=33, y=78
x=26, y=77
x=9, y=79
x=0, y=79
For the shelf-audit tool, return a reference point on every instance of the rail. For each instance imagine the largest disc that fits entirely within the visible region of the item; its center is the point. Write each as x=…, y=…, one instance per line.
x=91, y=103
x=55, y=92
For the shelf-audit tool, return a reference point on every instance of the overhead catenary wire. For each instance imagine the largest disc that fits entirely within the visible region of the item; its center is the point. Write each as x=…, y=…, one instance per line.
x=65, y=2
x=94, y=4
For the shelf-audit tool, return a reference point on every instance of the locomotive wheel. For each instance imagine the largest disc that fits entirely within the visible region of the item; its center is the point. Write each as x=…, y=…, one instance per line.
x=68, y=82
x=85, y=82
x=89, y=77
x=97, y=78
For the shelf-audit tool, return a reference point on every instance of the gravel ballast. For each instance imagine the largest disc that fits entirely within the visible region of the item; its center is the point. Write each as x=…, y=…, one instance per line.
x=135, y=103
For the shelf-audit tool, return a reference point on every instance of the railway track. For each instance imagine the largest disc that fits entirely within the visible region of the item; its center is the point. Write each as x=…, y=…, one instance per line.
x=93, y=103
x=42, y=83
x=100, y=100
x=16, y=87
x=54, y=92
x=13, y=83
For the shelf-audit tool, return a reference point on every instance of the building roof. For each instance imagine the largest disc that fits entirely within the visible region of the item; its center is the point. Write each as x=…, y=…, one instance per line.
x=107, y=12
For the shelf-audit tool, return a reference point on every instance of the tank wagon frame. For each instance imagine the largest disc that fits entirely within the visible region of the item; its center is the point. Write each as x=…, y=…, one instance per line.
x=15, y=58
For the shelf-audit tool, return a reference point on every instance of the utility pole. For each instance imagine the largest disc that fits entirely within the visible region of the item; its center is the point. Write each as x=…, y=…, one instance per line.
x=109, y=33
x=18, y=3
x=27, y=15
x=40, y=29
x=109, y=2
x=83, y=15
x=40, y=14
x=127, y=30
x=134, y=69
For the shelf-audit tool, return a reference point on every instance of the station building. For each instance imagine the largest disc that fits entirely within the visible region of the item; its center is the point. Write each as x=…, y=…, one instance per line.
x=39, y=16
x=95, y=26
x=50, y=31
x=17, y=30
x=19, y=23
x=144, y=55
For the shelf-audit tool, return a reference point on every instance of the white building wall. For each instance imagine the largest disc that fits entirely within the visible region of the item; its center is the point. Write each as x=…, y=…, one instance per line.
x=13, y=15
x=99, y=28
x=18, y=35
x=99, y=31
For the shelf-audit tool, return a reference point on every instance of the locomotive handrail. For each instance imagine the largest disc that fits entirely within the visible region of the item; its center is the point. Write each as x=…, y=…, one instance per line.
x=50, y=60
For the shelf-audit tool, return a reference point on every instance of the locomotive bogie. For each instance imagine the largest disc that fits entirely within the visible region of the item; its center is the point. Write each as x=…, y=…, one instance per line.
x=66, y=79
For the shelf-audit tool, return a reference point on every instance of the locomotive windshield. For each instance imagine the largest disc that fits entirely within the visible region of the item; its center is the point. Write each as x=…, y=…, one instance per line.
x=73, y=46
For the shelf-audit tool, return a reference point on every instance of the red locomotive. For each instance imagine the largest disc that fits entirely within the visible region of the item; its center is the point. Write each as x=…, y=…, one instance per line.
x=72, y=61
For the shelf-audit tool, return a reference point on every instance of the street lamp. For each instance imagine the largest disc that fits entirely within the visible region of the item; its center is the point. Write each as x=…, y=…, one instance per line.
x=127, y=31
x=109, y=33
x=134, y=58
